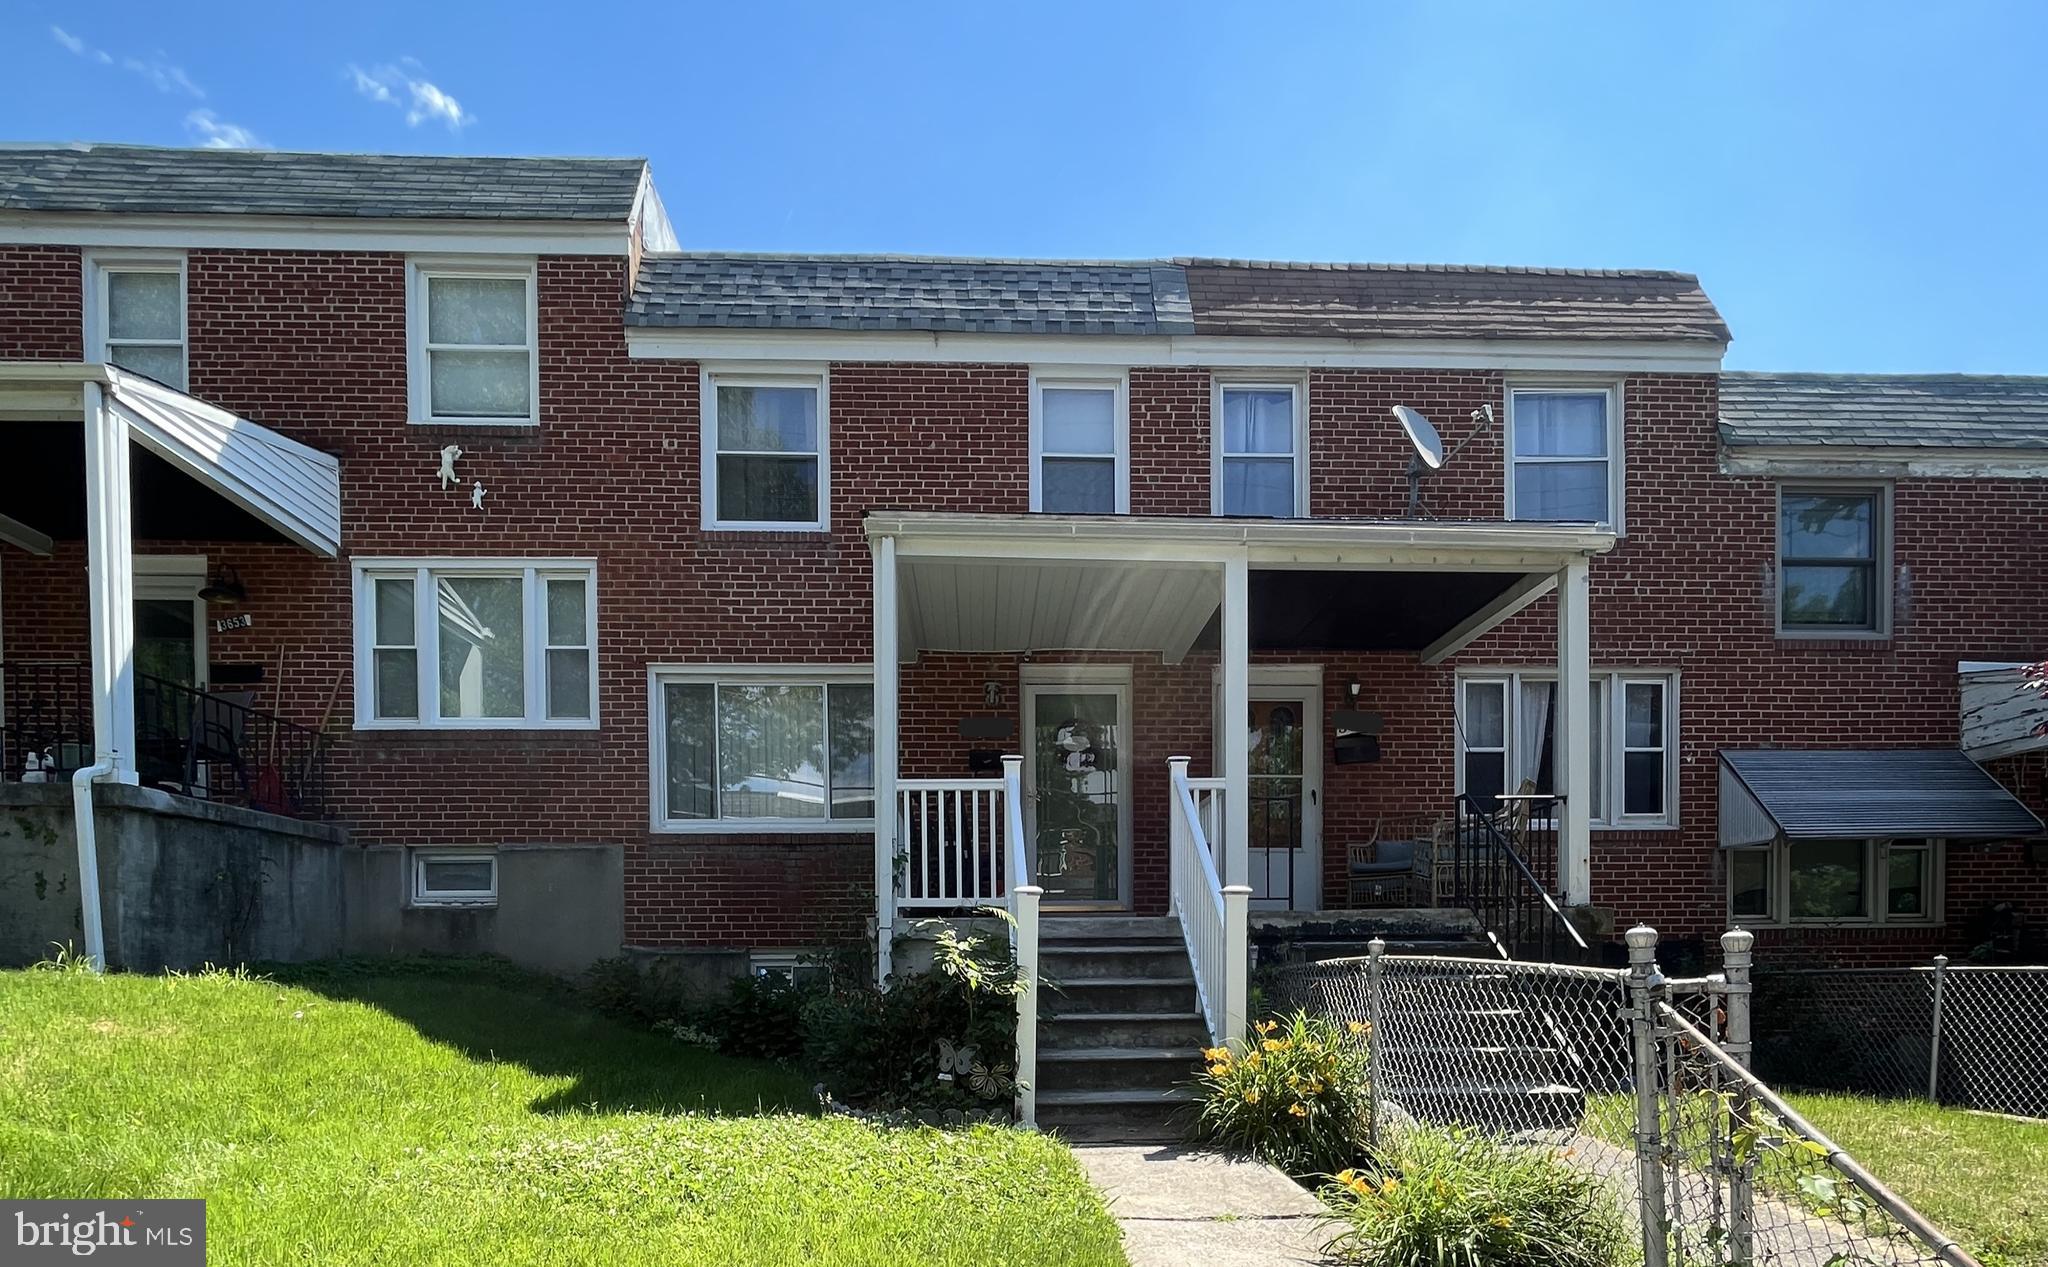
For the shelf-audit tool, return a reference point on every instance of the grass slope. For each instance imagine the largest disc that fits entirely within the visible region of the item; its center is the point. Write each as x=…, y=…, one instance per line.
x=463, y=1114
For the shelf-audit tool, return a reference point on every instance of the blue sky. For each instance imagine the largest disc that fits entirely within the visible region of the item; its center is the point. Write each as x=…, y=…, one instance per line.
x=1860, y=186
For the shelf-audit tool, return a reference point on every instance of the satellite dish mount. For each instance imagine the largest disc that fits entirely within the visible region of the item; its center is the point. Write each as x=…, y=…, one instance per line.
x=1429, y=452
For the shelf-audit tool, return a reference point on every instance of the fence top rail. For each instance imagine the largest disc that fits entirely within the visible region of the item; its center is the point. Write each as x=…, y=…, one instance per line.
x=2016, y=968
x=1838, y=1157
x=1529, y=966
x=1712, y=981
x=948, y=785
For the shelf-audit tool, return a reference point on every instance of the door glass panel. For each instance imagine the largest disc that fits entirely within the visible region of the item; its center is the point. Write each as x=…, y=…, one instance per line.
x=1077, y=773
x=165, y=640
x=1276, y=774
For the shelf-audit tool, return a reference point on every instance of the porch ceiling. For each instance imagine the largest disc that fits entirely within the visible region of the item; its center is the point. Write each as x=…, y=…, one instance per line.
x=1022, y=605
x=1301, y=610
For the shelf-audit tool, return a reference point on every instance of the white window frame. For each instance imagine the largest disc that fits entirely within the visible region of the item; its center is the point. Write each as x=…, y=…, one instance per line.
x=660, y=676
x=1298, y=389
x=787, y=964
x=1617, y=480
x=98, y=264
x=1876, y=882
x=711, y=376
x=418, y=271
x=533, y=573
x=1117, y=382
x=1082, y=379
x=1610, y=759
x=1880, y=563
x=421, y=895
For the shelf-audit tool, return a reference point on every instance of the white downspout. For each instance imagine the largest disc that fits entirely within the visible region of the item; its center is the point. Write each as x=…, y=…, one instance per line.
x=89, y=857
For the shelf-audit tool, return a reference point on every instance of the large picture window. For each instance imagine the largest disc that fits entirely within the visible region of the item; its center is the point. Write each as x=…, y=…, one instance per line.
x=474, y=349
x=476, y=644
x=765, y=452
x=762, y=750
x=1836, y=882
x=1831, y=573
x=1561, y=455
x=1507, y=738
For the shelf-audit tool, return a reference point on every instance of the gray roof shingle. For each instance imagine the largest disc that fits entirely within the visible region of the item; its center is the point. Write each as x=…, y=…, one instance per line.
x=1859, y=793
x=862, y=292
x=849, y=292
x=131, y=178
x=1942, y=411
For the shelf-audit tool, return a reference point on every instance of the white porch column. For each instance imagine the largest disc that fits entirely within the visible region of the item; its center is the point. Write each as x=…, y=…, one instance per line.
x=1574, y=758
x=885, y=757
x=1237, y=678
x=110, y=582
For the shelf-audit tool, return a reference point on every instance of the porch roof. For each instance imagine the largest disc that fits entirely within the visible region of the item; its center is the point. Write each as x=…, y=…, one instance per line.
x=292, y=488
x=1010, y=582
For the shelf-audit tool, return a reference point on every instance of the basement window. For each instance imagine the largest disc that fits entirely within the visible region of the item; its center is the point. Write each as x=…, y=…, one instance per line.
x=454, y=879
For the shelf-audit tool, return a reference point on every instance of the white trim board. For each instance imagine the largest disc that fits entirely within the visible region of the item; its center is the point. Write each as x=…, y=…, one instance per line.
x=1104, y=350
x=313, y=233
x=1874, y=462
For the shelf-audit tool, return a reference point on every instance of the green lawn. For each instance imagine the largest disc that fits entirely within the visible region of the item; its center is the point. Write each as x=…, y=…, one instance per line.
x=462, y=1113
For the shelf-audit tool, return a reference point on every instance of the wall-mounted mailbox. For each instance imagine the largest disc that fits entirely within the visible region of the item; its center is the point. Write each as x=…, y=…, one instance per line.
x=986, y=727
x=1358, y=737
x=984, y=761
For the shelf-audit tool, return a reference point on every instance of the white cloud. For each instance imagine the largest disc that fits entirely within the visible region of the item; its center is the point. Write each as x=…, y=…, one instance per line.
x=399, y=85
x=218, y=134
x=156, y=69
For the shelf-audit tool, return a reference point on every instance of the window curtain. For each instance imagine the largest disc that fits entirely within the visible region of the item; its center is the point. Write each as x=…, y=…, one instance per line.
x=1532, y=734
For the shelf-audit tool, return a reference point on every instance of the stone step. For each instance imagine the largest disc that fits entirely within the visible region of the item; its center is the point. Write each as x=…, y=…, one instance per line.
x=1116, y=1068
x=1121, y=1116
x=1169, y=993
x=1177, y=1030
x=1130, y=929
x=1503, y=1107
x=1073, y=962
x=1460, y=1064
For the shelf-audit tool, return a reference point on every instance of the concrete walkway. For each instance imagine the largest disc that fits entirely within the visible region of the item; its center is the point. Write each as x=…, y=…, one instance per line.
x=1180, y=1207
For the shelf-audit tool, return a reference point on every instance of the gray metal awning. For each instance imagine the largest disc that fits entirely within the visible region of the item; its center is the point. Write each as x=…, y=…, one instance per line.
x=1910, y=793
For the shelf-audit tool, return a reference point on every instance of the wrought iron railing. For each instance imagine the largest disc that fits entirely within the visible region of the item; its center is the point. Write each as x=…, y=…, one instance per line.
x=1503, y=867
x=207, y=744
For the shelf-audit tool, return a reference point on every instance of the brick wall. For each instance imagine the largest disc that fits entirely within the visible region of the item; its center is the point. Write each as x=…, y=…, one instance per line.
x=314, y=346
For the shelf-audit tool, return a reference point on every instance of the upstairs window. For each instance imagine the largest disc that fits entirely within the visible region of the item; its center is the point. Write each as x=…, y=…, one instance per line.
x=1259, y=450
x=1831, y=573
x=137, y=318
x=1079, y=439
x=1561, y=455
x=765, y=452
x=462, y=644
x=474, y=351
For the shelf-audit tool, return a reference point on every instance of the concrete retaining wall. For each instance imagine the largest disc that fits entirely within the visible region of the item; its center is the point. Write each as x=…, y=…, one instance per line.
x=186, y=883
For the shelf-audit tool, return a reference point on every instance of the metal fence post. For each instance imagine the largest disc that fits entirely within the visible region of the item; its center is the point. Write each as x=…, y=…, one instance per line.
x=1643, y=978
x=1934, y=1039
x=1737, y=946
x=1375, y=1033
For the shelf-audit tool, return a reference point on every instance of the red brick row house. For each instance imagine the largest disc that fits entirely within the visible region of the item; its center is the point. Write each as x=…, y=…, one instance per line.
x=690, y=602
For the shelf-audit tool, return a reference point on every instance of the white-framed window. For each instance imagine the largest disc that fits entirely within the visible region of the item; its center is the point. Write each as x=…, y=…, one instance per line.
x=1507, y=735
x=787, y=965
x=454, y=878
x=1833, y=571
x=1834, y=882
x=767, y=464
x=761, y=748
x=1564, y=453
x=473, y=341
x=1260, y=439
x=467, y=644
x=135, y=313
x=1080, y=444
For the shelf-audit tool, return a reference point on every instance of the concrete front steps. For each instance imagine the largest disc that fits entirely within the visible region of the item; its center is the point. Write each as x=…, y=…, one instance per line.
x=1120, y=1033
x=1474, y=1047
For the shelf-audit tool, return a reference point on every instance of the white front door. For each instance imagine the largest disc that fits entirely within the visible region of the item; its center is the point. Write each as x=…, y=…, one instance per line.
x=1284, y=733
x=1077, y=811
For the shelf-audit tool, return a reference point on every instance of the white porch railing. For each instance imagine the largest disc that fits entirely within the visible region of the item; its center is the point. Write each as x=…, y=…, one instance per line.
x=950, y=832
x=1212, y=915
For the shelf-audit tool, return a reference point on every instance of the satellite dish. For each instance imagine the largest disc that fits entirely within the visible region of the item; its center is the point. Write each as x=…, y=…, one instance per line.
x=1429, y=447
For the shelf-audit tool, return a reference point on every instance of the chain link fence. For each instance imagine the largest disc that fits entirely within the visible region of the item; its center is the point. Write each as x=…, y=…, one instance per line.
x=1967, y=1035
x=1639, y=1079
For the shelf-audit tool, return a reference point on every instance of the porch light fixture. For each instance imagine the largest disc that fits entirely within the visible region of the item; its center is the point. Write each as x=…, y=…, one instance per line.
x=224, y=586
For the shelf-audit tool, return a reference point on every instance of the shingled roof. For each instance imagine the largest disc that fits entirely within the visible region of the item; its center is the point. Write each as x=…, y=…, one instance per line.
x=857, y=292
x=1423, y=301
x=131, y=178
x=1885, y=410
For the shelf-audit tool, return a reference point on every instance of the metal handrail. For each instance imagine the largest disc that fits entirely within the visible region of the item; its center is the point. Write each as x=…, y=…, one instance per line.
x=1506, y=912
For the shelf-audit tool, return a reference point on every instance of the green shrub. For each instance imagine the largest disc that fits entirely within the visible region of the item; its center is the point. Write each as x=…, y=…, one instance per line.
x=760, y=1016
x=1296, y=1094
x=881, y=1049
x=1437, y=1197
